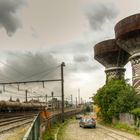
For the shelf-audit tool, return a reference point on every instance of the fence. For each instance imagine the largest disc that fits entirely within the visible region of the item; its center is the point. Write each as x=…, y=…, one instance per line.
x=33, y=132
x=38, y=127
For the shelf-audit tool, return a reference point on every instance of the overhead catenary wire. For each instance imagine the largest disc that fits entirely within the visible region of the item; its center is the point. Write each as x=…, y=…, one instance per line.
x=45, y=72
x=18, y=94
x=32, y=81
x=6, y=77
x=11, y=67
x=22, y=96
x=37, y=91
x=13, y=93
x=9, y=95
x=59, y=80
x=31, y=90
x=23, y=74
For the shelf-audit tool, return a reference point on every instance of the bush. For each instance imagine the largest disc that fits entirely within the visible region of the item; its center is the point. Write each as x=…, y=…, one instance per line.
x=136, y=112
x=125, y=127
x=114, y=98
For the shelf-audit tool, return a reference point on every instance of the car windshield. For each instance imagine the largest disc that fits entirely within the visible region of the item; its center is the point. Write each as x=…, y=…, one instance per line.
x=79, y=114
x=87, y=120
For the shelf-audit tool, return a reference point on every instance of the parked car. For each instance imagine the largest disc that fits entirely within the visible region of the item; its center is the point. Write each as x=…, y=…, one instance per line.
x=87, y=122
x=91, y=115
x=78, y=116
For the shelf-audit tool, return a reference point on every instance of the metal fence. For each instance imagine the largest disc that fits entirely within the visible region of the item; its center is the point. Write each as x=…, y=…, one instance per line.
x=33, y=132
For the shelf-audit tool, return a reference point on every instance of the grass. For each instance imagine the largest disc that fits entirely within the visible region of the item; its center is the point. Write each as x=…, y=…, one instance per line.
x=49, y=134
x=126, y=128
x=62, y=129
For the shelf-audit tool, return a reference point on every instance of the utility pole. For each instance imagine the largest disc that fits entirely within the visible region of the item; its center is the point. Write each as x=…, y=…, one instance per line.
x=46, y=98
x=62, y=90
x=3, y=88
x=18, y=86
x=26, y=92
x=43, y=84
x=79, y=95
x=71, y=101
x=76, y=102
x=52, y=100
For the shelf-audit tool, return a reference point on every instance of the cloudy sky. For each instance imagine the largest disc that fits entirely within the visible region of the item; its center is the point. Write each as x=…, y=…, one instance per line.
x=36, y=36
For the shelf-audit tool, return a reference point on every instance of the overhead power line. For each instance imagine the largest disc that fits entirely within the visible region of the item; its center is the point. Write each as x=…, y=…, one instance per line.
x=24, y=82
x=11, y=67
x=45, y=72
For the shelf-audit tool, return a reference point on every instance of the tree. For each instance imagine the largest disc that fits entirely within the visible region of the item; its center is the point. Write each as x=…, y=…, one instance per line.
x=87, y=109
x=117, y=96
x=17, y=100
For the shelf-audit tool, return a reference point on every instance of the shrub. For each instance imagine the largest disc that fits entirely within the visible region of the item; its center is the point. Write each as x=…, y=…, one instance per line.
x=114, y=98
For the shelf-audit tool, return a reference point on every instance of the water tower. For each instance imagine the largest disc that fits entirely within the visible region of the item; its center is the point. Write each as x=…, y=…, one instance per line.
x=127, y=33
x=112, y=57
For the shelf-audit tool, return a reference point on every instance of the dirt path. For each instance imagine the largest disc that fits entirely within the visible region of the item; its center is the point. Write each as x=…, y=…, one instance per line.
x=74, y=132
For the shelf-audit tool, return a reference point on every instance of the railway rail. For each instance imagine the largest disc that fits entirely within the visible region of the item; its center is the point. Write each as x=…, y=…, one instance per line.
x=113, y=134
x=9, y=121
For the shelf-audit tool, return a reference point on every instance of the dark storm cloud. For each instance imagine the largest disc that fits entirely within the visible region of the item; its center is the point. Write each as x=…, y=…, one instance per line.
x=98, y=14
x=81, y=58
x=78, y=46
x=28, y=66
x=9, y=15
x=83, y=63
x=87, y=66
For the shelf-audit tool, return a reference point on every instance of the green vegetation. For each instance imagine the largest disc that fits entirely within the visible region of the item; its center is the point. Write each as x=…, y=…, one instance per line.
x=116, y=97
x=124, y=127
x=58, y=128
x=136, y=112
x=87, y=108
x=62, y=130
x=49, y=134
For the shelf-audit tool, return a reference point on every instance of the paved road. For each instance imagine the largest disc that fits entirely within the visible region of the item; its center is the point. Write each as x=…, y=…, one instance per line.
x=74, y=132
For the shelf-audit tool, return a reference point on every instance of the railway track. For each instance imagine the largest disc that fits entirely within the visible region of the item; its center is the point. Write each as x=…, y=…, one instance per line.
x=113, y=134
x=9, y=121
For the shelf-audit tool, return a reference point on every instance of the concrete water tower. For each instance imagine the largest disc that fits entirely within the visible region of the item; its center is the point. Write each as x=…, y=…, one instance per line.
x=127, y=33
x=112, y=57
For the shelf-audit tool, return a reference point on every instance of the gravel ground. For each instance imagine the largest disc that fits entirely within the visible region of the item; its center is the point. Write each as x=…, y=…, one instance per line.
x=74, y=132
x=15, y=134
x=13, y=125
